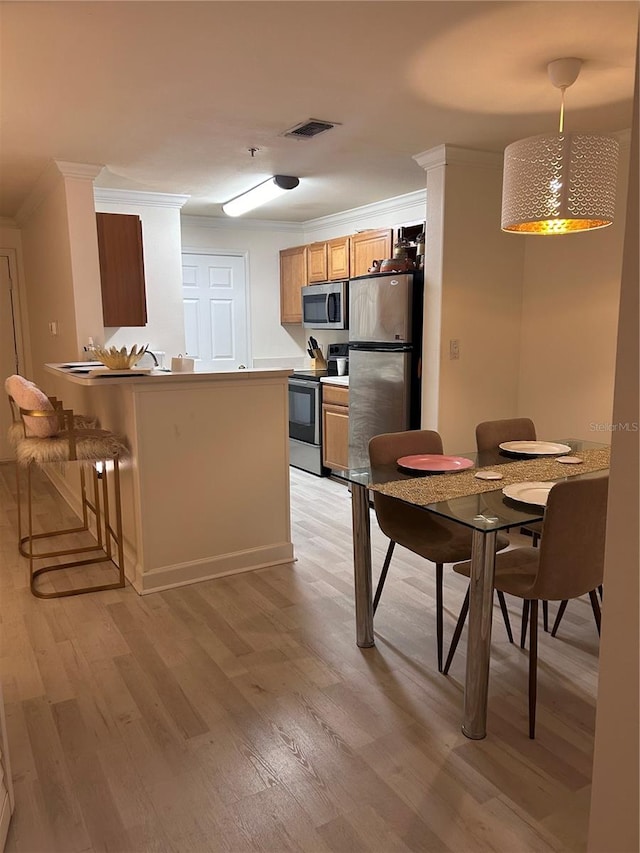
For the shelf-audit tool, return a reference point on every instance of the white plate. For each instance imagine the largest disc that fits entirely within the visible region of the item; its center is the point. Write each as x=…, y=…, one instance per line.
x=570, y=460
x=488, y=475
x=529, y=493
x=535, y=448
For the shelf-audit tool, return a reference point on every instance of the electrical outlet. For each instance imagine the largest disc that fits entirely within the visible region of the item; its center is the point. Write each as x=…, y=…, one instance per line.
x=454, y=348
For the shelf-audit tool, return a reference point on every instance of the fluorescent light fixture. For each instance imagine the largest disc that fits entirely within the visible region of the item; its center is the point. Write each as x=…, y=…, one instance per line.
x=264, y=192
x=561, y=183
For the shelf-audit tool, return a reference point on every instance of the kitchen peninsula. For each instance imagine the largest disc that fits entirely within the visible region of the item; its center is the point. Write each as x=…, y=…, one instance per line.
x=206, y=488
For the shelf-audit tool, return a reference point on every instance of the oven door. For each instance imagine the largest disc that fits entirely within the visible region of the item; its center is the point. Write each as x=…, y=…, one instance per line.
x=304, y=410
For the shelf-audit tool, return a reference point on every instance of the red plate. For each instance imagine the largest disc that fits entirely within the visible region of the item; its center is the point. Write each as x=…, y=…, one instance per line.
x=435, y=462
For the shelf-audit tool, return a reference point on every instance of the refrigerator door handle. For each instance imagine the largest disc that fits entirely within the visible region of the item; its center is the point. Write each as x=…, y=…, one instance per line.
x=374, y=347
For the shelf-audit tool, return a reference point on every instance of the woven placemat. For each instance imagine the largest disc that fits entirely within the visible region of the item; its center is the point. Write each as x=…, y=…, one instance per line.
x=445, y=487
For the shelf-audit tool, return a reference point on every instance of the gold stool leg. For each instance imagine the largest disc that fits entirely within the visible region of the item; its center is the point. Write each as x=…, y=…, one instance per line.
x=22, y=540
x=105, y=543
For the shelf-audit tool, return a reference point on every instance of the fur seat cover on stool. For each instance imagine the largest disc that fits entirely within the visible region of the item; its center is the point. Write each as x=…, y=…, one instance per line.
x=44, y=439
x=27, y=395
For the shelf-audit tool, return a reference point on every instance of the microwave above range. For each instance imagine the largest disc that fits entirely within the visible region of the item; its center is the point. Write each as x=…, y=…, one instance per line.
x=326, y=306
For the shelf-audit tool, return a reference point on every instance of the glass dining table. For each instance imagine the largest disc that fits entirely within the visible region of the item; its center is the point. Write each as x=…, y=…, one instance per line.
x=485, y=513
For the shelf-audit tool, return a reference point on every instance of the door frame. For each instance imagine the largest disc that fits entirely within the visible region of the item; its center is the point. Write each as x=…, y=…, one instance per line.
x=19, y=303
x=244, y=256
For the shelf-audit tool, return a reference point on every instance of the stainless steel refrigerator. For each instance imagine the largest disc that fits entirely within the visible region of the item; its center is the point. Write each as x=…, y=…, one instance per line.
x=385, y=343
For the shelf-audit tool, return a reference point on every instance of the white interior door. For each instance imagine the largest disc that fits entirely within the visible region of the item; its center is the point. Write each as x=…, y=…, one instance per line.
x=8, y=348
x=215, y=310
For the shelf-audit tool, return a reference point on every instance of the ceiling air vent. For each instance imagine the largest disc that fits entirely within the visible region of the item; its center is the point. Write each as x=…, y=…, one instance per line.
x=309, y=128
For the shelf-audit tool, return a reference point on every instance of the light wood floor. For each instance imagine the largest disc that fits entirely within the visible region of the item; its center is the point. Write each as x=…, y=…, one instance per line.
x=239, y=714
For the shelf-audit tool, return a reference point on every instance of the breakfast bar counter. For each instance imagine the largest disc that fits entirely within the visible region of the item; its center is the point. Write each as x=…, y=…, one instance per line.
x=206, y=486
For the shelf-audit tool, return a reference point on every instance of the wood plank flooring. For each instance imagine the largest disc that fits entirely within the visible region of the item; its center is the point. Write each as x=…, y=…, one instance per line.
x=239, y=715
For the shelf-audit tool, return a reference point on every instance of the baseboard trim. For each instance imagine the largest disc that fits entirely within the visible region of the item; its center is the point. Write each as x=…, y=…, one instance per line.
x=184, y=574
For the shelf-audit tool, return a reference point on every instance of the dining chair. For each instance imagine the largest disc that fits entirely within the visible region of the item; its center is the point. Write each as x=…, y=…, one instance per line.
x=436, y=539
x=568, y=563
x=49, y=433
x=489, y=436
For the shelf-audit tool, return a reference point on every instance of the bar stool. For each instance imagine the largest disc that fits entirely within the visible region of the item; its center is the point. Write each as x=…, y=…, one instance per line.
x=49, y=433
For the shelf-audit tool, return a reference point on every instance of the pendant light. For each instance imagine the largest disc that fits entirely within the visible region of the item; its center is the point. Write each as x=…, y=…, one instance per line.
x=560, y=183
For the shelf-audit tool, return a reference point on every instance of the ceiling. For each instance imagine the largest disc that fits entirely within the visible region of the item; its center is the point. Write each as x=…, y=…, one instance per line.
x=170, y=96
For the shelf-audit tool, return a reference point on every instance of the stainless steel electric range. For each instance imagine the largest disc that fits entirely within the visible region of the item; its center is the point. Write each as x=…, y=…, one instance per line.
x=305, y=421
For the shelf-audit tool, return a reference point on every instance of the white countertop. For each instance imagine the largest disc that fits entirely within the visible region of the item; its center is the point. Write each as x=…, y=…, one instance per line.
x=336, y=380
x=156, y=376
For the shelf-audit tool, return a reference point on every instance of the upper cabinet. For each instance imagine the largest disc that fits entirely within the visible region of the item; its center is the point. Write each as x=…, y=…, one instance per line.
x=124, y=300
x=332, y=260
x=316, y=262
x=329, y=261
x=338, y=259
x=368, y=246
x=293, y=276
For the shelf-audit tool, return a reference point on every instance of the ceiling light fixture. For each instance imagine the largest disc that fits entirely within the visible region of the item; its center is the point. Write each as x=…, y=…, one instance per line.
x=264, y=192
x=561, y=183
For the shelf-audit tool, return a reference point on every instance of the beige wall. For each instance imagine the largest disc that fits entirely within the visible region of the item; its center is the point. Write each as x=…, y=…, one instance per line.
x=49, y=281
x=473, y=279
x=85, y=268
x=616, y=792
x=571, y=288
x=481, y=307
x=536, y=319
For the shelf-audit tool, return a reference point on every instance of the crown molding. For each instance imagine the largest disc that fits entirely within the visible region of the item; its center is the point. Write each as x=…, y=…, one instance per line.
x=52, y=173
x=226, y=223
x=84, y=171
x=411, y=205
x=445, y=155
x=106, y=195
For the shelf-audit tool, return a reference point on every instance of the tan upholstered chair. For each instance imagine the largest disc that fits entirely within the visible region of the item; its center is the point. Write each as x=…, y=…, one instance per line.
x=42, y=432
x=568, y=563
x=436, y=539
x=489, y=436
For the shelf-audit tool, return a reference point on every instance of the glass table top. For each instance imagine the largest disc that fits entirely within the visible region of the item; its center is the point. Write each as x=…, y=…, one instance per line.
x=490, y=510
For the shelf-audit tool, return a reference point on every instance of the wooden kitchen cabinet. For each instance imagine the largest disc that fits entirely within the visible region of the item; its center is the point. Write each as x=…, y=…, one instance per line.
x=335, y=426
x=317, y=262
x=293, y=276
x=338, y=260
x=368, y=246
x=124, y=301
x=329, y=261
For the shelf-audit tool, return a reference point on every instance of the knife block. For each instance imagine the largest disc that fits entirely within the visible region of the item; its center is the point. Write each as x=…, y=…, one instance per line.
x=318, y=363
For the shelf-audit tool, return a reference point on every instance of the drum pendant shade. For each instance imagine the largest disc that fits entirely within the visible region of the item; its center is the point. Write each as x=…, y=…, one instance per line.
x=559, y=183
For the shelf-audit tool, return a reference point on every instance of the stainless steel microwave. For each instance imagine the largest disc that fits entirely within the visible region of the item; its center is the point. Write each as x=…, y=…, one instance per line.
x=326, y=306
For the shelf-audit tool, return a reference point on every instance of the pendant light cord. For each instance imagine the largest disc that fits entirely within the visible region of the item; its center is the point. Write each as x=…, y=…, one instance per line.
x=563, y=90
